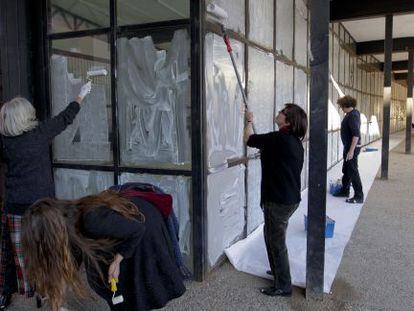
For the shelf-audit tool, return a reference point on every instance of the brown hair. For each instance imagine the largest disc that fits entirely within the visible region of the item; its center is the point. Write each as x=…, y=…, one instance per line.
x=51, y=239
x=297, y=119
x=347, y=102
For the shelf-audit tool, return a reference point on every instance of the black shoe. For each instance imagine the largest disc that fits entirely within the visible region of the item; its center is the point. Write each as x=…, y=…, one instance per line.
x=5, y=301
x=269, y=272
x=273, y=291
x=355, y=200
x=342, y=193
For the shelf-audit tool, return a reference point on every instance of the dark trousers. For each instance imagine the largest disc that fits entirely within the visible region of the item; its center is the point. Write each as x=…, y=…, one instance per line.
x=276, y=218
x=351, y=174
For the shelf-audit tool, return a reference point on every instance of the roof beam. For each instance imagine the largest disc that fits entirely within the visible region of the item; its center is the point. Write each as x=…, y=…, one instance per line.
x=401, y=76
x=400, y=65
x=377, y=46
x=350, y=10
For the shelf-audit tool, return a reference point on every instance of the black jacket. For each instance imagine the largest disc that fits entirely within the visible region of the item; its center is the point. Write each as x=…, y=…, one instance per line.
x=282, y=157
x=149, y=276
x=27, y=157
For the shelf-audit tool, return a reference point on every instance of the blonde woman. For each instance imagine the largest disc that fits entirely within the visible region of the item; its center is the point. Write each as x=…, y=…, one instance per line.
x=24, y=149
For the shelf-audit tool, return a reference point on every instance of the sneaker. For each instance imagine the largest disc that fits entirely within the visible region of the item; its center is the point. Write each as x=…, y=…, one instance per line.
x=273, y=291
x=355, y=200
x=342, y=193
x=5, y=301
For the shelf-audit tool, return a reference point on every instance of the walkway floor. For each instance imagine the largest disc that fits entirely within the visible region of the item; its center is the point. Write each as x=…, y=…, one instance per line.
x=376, y=272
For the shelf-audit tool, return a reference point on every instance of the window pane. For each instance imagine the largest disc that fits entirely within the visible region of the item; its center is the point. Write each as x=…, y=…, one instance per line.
x=154, y=100
x=149, y=11
x=73, y=184
x=87, y=140
x=73, y=15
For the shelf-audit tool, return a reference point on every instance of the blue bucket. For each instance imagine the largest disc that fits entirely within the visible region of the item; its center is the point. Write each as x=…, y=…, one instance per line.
x=329, y=226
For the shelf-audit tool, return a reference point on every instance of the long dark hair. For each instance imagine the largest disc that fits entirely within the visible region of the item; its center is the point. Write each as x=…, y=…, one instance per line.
x=297, y=119
x=50, y=235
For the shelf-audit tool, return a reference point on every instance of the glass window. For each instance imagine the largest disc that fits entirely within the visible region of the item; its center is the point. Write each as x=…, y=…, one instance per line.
x=65, y=16
x=87, y=140
x=149, y=11
x=73, y=184
x=154, y=100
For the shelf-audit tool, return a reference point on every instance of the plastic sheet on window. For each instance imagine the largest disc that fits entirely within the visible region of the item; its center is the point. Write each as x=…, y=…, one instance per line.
x=301, y=32
x=301, y=89
x=179, y=188
x=261, y=22
x=73, y=184
x=224, y=103
x=284, y=85
x=335, y=58
x=254, y=211
x=284, y=27
x=154, y=100
x=261, y=89
x=225, y=210
x=87, y=139
x=235, y=10
x=329, y=160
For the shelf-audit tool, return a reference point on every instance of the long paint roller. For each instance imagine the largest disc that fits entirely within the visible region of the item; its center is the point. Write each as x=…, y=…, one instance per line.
x=95, y=73
x=221, y=15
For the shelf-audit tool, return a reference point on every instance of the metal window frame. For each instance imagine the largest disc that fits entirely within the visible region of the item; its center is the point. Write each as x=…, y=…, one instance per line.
x=194, y=24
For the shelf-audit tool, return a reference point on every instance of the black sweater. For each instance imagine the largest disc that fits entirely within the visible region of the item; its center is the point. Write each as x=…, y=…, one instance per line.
x=29, y=170
x=282, y=157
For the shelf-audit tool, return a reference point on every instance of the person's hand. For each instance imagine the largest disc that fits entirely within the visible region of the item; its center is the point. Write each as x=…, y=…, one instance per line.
x=113, y=271
x=249, y=116
x=350, y=155
x=85, y=90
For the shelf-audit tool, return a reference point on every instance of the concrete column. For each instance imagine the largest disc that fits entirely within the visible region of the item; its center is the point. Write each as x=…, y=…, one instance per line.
x=409, y=102
x=319, y=66
x=387, y=96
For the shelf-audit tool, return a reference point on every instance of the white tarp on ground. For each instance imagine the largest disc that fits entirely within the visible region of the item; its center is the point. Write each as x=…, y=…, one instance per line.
x=249, y=255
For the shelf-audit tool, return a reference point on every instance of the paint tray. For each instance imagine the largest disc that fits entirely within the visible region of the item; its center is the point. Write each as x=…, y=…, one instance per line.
x=329, y=226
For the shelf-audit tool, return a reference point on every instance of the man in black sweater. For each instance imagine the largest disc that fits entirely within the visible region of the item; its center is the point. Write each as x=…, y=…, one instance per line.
x=351, y=139
x=282, y=156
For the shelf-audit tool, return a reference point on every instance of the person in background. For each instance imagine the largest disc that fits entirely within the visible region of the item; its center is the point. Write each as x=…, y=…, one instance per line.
x=351, y=139
x=24, y=148
x=117, y=238
x=282, y=156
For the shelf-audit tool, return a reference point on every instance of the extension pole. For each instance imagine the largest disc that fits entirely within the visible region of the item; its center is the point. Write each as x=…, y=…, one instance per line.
x=230, y=50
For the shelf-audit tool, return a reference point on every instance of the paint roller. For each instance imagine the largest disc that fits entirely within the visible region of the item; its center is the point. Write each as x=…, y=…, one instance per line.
x=221, y=15
x=95, y=73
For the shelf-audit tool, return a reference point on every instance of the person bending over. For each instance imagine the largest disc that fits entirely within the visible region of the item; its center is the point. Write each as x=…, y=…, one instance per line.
x=117, y=239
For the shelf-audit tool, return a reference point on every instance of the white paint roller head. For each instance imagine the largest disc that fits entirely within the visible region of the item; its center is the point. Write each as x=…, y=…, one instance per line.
x=216, y=11
x=96, y=73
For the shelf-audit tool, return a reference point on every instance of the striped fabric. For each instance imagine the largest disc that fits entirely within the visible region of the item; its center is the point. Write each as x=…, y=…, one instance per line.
x=11, y=245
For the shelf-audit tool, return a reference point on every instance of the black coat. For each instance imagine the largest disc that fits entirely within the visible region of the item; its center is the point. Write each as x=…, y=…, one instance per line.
x=149, y=277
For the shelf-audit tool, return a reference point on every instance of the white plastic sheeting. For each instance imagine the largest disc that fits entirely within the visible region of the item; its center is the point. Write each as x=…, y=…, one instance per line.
x=154, y=100
x=284, y=27
x=225, y=210
x=254, y=211
x=179, y=188
x=261, y=22
x=284, y=84
x=73, y=184
x=224, y=103
x=249, y=255
x=301, y=89
x=236, y=13
x=261, y=87
x=301, y=32
x=86, y=140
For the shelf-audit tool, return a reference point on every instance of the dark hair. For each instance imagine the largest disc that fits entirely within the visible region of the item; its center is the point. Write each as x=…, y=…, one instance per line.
x=347, y=102
x=297, y=119
x=52, y=237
